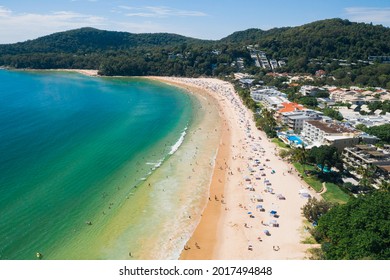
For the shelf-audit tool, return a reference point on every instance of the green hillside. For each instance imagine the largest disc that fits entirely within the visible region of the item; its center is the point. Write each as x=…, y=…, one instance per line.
x=123, y=53
x=326, y=38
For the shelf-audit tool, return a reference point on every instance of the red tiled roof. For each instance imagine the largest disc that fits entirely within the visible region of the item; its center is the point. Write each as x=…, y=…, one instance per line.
x=290, y=107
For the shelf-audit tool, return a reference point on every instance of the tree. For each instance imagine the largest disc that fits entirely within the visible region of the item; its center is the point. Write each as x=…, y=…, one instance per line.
x=325, y=156
x=381, y=131
x=333, y=114
x=384, y=186
x=308, y=101
x=361, y=127
x=359, y=229
x=299, y=155
x=266, y=122
x=285, y=153
x=315, y=208
x=367, y=174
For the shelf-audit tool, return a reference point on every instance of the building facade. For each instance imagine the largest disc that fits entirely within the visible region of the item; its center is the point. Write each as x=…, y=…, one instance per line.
x=319, y=133
x=368, y=156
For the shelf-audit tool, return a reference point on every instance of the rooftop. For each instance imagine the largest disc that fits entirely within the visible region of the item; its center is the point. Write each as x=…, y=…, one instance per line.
x=330, y=127
x=365, y=147
x=335, y=138
x=385, y=167
x=290, y=107
x=376, y=154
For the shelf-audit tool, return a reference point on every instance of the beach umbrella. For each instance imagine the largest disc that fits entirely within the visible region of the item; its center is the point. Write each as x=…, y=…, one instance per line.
x=273, y=222
x=304, y=193
x=273, y=212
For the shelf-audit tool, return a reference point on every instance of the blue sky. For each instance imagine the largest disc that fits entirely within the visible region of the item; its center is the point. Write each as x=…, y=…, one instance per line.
x=21, y=20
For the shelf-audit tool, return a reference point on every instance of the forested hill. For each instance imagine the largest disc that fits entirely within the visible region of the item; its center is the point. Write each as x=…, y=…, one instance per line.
x=326, y=38
x=92, y=40
x=123, y=53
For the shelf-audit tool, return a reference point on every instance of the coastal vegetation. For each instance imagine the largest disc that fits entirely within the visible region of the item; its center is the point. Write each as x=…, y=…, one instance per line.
x=246, y=98
x=315, y=208
x=315, y=168
x=380, y=131
x=384, y=106
x=359, y=229
x=266, y=122
x=334, y=38
x=332, y=113
x=325, y=157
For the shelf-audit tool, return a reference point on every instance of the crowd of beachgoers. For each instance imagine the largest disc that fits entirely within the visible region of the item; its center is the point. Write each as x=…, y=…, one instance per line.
x=259, y=196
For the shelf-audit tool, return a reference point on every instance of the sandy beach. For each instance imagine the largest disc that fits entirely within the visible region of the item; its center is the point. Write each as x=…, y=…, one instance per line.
x=87, y=72
x=254, y=209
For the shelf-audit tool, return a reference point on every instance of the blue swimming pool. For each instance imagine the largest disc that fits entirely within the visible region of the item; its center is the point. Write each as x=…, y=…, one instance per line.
x=295, y=139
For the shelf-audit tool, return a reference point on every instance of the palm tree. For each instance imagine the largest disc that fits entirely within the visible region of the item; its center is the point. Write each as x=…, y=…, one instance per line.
x=300, y=155
x=367, y=174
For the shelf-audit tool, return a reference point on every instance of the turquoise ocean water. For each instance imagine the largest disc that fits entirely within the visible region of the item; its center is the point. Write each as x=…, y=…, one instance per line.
x=73, y=150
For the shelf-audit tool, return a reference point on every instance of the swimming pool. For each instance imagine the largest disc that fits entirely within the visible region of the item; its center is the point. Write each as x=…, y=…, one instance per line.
x=295, y=139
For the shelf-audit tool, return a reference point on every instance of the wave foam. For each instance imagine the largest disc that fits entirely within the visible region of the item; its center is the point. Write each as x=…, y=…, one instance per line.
x=176, y=146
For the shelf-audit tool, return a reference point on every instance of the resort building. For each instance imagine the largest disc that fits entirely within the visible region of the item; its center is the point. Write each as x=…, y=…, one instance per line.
x=325, y=102
x=355, y=118
x=295, y=119
x=311, y=90
x=368, y=156
x=281, y=63
x=356, y=95
x=273, y=63
x=317, y=133
x=269, y=97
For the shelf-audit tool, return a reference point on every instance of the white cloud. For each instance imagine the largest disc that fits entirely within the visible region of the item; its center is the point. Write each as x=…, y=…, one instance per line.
x=16, y=27
x=140, y=27
x=159, y=12
x=4, y=11
x=366, y=14
x=22, y=26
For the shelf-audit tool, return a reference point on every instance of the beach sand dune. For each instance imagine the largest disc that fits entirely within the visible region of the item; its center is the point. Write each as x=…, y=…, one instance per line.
x=249, y=181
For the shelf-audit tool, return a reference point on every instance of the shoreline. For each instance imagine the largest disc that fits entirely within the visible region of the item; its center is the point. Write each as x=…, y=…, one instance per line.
x=86, y=72
x=202, y=246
